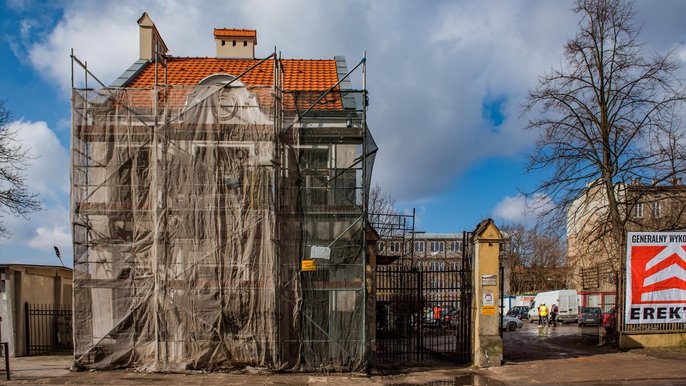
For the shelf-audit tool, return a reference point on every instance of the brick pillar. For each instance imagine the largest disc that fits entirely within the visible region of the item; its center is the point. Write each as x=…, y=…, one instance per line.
x=487, y=345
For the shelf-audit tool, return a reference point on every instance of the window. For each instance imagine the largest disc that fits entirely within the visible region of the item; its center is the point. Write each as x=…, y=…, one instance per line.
x=419, y=246
x=638, y=210
x=316, y=175
x=223, y=43
x=234, y=43
x=245, y=43
x=656, y=209
x=455, y=246
x=381, y=246
x=395, y=246
x=437, y=246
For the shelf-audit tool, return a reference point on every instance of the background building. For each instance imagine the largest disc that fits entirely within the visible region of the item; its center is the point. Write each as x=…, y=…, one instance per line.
x=44, y=287
x=593, y=260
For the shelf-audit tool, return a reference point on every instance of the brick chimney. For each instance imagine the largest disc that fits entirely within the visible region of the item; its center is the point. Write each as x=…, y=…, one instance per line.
x=235, y=43
x=150, y=39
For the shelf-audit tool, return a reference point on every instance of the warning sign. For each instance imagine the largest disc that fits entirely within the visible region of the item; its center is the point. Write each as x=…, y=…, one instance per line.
x=488, y=310
x=487, y=299
x=309, y=265
x=656, y=278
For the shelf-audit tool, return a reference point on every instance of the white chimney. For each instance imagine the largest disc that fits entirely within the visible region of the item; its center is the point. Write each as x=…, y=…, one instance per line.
x=150, y=38
x=235, y=43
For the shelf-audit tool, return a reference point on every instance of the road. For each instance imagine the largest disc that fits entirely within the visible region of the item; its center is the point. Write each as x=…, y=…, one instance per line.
x=532, y=342
x=565, y=355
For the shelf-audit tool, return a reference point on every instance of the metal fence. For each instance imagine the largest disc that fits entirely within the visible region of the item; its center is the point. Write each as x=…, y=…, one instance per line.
x=422, y=315
x=5, y=359
x=48, y=328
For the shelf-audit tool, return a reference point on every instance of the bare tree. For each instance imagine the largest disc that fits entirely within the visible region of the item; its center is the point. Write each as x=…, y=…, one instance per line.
x=382, y=213
x=536, y=260
x=606, y=118
x=15, y=197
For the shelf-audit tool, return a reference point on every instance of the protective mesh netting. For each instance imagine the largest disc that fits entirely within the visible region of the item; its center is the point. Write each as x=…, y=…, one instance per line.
x=192, y=209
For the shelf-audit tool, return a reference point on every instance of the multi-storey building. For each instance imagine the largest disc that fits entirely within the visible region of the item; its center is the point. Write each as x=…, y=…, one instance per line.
x=218, y=209
x=593, y=257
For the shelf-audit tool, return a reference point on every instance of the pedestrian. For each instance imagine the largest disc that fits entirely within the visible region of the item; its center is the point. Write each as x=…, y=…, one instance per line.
x=437, y=314
x=542, y=314
x=553, y=314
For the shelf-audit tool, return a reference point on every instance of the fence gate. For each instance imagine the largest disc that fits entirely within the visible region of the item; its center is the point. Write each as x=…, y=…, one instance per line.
x=423, y=315
x=48, y=328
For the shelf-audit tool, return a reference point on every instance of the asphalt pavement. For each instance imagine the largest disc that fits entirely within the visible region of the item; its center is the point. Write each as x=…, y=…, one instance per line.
x=566, y=355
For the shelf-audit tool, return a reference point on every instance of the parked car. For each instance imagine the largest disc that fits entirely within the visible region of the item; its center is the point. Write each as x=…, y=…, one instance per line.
x=590, y=315
x=510, y=323
x=450, y=317
x=609, y=319
x=519, y=312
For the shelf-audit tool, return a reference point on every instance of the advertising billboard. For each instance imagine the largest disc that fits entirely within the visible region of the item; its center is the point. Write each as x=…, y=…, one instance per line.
x=655, y=277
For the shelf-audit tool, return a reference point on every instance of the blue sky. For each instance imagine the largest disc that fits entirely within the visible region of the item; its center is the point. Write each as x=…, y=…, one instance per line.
x=446, y=79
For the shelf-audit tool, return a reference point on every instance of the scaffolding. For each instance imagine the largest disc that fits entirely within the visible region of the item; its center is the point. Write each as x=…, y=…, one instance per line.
x=221, y=225
x=396, y=234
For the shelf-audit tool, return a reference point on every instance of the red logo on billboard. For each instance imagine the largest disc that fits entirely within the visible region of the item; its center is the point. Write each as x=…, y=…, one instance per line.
x=658, y=274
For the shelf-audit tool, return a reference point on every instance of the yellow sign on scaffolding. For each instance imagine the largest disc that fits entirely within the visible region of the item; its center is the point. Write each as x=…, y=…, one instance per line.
x=309, y=265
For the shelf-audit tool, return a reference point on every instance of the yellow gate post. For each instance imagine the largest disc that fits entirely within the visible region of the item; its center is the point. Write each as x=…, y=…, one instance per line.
x=487, y=345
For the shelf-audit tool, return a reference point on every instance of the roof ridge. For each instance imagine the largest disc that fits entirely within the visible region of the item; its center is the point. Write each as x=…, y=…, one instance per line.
x=215, y=58
x=235, y=29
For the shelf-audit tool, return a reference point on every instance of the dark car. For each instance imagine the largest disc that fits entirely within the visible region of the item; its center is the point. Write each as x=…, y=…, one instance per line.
x=590, y=315
x=451, y=318
x=519, y=312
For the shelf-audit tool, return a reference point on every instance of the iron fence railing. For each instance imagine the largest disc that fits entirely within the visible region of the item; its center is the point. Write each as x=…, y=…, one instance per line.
x=48, y=328
x=422, y=315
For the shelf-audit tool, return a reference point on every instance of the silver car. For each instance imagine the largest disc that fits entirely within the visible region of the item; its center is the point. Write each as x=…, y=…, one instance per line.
x=510, y=323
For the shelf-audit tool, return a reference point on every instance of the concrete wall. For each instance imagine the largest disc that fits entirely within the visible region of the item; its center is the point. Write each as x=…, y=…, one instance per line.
x=631, y=341
x=35, y=285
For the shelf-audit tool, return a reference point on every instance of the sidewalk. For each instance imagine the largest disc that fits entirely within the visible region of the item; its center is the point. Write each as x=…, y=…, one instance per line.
x=632, y=368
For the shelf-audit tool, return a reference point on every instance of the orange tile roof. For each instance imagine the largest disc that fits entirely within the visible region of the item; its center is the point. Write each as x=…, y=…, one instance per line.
x=304, y=79
x=299, y=74
x=235, y=33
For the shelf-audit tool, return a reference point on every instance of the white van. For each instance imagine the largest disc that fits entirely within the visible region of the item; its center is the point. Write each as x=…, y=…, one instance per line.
x=566, y=300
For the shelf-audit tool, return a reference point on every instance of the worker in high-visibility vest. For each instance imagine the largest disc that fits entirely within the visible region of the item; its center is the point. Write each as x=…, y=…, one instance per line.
x=437, y=314
x=542, y=314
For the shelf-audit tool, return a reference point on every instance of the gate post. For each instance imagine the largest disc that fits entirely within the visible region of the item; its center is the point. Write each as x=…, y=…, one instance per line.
x=27, y=328
x=487, y=349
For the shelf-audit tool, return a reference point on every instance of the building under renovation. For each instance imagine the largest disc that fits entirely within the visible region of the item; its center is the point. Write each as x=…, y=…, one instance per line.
x=219, y=211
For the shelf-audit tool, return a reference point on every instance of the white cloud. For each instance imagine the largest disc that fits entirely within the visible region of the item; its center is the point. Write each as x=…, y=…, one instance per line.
x=46, y=238
x=430, y=65
x=47, y=173
x=99, y=33
x=520, y=209
x=34, y=237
